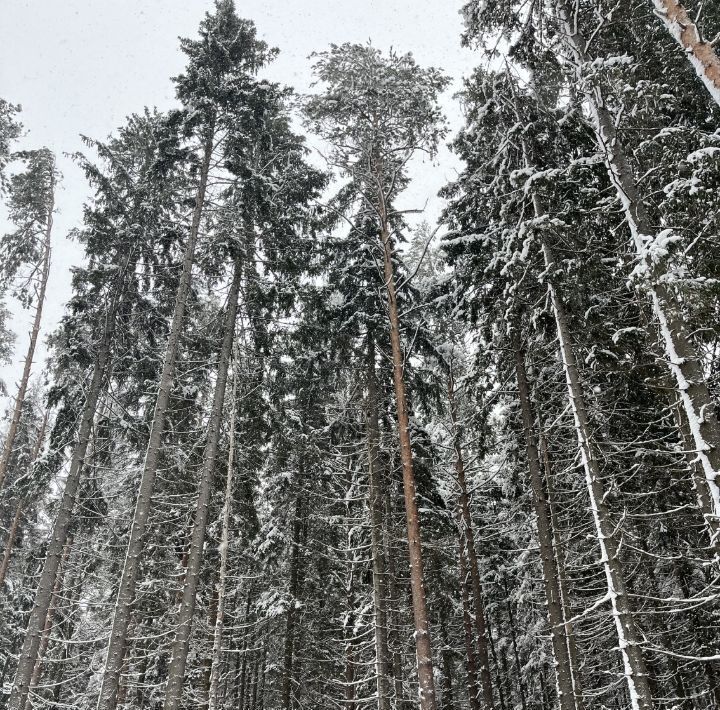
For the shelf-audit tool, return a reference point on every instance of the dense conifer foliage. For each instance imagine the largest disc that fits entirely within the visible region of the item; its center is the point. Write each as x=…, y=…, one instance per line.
x=292, y=449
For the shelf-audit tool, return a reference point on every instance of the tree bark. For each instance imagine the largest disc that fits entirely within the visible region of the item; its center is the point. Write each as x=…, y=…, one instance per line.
x=382, y=652
x=216, y=663
x=34, y=333
x=423, y=646
x=470, y=658
x=700, y=53
x=176, y=669
x=472, y=561
x=682, y=357
x=45, y=640
x=289, y=648
x=563, y=673
x=558, y=549
x=107, y=699
x=12, y=533
x=635, y=669
x=58, y=536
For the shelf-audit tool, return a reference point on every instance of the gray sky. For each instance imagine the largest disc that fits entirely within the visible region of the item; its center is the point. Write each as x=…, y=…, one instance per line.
x=81, y=66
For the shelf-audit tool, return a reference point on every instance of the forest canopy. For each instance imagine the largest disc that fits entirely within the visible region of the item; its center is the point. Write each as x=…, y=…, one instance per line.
x=292, y=448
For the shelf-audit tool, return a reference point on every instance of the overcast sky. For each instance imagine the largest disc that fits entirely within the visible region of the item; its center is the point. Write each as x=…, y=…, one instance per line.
x=80, y=66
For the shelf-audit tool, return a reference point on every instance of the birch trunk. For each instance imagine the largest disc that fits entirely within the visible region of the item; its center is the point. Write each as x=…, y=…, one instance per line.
x=686, y=33
x=382, y=653
x=682, y=357
x=34, y=333
x=58, y=536
x=107, y=699
x=176, y=669
x=563, y=674
x=423, y=646
x=472, y=561
x=216, y=663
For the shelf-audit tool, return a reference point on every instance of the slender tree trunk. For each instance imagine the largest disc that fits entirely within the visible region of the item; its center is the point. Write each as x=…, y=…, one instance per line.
x=58, y=536
x=392, y=610
x=700, y=53
x=513, y=637
x=636, y=673
x=289, y=648
x=107, y=699
x=216, y=662
x=45, y=640
x=558, y=549
x=682, y=357
x=423, y=646
x=474, y=568
x=448, y=695
x=470, y=658
x=34, y=333
x=176, y=670
x=12, y=533
x=382, y=653
x=496, y=661
x=563, y=673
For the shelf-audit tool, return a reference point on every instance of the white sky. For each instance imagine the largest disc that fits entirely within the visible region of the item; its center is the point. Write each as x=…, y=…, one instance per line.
x=81, y=66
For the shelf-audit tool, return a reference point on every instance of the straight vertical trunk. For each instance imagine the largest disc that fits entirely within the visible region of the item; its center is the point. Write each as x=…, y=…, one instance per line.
x=176, y=669
x=516, y=653
x=107, y=699
x=423, y=646
x=37, y=671
x=58, y=536
x=636, y=673
x=289, y=649
x=34, y=333
x=216, y=662
x=474, y=568
x=682, y=357
x=470, y=658
x=12, y=533
x=382, y=652
x=562, y=578
x=686, y=33
x=551, y=583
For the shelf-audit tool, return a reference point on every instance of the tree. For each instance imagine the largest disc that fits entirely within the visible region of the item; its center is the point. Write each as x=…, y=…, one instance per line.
x=377, y=113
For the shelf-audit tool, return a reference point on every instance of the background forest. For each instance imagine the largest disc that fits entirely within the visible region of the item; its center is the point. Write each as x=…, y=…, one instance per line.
x=293, y=449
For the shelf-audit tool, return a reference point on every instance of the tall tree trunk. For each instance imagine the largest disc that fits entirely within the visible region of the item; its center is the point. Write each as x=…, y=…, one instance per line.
x=469, y=538
x=682, y=357
x=37, y=670
x=636, y=673
x=700, y=53
x=380, y=586
x=289, y=648
x=34, y=333
x=12, y=532
x=216, y=662
x=448, y=694
x=58, y=536
x=470, y=658
x=107, y=699
x=513, y=638
x=558, y=549
x=563, y=673
x=392, y=610
x=176, y=670
x=423, y=646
